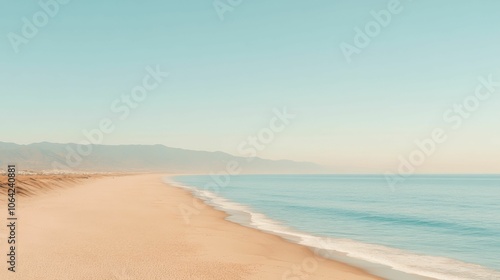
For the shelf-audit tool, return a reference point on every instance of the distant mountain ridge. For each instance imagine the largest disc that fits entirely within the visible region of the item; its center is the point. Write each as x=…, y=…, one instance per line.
x=137, y=158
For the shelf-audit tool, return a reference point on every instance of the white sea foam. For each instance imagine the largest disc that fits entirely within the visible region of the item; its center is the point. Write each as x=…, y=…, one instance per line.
x=433, y=267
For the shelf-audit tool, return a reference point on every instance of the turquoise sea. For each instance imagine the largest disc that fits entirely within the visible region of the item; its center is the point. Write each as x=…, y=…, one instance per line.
x=432, y=226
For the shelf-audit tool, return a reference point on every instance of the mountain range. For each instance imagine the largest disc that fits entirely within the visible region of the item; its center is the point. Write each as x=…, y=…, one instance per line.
x=141, y=158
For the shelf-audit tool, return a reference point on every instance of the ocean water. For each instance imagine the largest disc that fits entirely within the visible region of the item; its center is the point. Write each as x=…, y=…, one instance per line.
x=437, y=227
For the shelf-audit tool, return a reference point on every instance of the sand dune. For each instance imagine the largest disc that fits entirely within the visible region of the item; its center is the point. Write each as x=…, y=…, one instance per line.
x=33, y=184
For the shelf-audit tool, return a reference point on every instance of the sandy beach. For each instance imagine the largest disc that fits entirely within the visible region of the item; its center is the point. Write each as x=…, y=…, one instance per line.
x=130, y=227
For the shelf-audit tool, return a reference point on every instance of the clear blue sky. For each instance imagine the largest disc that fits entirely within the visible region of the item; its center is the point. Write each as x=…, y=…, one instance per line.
x=227, y=76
